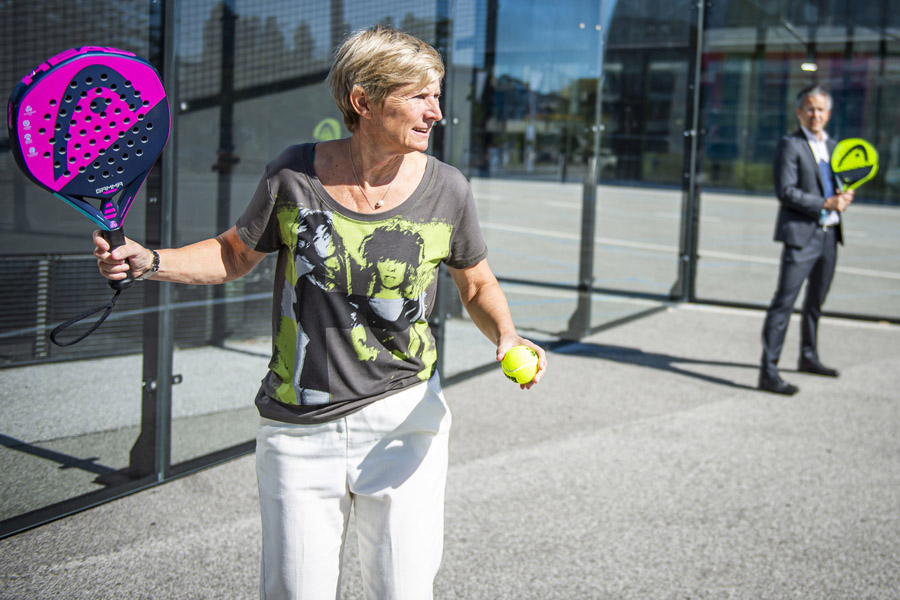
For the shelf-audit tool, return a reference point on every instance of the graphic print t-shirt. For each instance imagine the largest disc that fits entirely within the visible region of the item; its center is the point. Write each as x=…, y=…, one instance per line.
x=353, y=291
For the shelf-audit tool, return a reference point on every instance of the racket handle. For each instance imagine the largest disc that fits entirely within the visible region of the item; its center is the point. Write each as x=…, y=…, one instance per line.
x=116, y=238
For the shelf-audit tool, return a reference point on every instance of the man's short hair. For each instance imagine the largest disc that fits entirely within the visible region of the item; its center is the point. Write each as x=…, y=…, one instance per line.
x=813, y=90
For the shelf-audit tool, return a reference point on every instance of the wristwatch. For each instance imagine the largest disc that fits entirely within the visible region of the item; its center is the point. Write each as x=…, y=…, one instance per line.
x=153, y=268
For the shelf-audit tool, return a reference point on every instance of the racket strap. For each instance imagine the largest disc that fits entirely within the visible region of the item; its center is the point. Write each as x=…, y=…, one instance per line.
x=105, y=308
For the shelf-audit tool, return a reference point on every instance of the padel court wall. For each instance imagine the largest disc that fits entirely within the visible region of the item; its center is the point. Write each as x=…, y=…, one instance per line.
x=619, y=154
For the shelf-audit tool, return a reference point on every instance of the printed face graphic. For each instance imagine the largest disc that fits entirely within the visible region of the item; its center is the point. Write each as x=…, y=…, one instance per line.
x=391, y=272
x=322, y=241
x=373, y=282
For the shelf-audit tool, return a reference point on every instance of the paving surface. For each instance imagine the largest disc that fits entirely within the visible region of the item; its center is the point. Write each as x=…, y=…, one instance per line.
x=646, y=465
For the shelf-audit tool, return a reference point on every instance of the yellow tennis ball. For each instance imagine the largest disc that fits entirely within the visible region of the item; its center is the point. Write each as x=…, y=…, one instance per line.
x=520, y=364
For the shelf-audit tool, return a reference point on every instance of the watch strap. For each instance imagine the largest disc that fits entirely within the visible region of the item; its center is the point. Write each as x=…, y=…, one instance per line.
x=153, y=268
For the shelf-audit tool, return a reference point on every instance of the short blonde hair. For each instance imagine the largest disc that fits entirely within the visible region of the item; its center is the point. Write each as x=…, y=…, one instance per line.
x=380, y=60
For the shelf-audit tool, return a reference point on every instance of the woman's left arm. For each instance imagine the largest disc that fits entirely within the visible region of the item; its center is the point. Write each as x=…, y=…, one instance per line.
x=486, y=304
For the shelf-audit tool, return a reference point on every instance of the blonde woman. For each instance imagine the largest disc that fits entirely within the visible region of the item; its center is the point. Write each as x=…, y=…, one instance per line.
x=352, y=433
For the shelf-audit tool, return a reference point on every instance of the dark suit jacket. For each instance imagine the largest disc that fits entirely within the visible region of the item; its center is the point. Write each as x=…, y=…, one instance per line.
x=798, y=185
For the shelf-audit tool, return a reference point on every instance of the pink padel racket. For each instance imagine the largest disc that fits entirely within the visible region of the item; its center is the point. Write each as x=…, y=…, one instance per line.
x=88, y=125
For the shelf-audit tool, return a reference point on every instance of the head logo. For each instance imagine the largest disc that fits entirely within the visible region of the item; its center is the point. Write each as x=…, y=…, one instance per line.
x=327, y=130
x=854, y=162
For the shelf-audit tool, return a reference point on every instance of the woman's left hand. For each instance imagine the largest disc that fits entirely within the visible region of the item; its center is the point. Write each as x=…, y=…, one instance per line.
x=514, y=340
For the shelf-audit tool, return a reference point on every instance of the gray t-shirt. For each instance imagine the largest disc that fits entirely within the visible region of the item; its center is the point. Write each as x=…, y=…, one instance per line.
x=353, y=291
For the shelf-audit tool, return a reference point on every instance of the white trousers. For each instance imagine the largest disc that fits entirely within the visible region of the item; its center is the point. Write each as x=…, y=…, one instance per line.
x=388, y=462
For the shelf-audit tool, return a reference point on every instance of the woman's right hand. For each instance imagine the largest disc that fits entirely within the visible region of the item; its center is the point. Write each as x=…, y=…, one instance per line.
x=116, y=264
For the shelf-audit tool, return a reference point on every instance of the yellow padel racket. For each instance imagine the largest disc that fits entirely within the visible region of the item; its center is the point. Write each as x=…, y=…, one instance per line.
x=854, y=162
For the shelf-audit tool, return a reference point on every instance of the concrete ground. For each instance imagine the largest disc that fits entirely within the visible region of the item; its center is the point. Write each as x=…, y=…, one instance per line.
x=645, y=465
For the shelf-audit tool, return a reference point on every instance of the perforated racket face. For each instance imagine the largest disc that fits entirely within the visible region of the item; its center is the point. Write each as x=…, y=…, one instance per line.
x=90, y=125
x=854, y=162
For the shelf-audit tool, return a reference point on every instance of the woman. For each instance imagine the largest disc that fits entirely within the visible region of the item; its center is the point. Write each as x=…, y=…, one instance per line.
x=342, y=429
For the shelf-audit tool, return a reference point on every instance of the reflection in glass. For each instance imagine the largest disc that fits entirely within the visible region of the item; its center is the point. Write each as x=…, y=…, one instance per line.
x=755, y=63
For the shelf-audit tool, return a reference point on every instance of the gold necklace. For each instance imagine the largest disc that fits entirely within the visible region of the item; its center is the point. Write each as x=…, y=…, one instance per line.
x=378, y=204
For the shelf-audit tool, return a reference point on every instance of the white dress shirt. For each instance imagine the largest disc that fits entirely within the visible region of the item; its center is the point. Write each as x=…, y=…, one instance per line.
x=820, y=152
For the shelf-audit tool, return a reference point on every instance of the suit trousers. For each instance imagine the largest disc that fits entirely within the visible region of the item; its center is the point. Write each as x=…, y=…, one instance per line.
x=813, y=263
x=388, y=464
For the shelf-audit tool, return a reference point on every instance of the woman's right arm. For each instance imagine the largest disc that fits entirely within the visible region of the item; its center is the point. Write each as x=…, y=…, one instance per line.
x=216, y=260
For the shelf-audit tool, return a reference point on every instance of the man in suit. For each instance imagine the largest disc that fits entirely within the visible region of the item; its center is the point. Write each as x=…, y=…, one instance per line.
x=809, y=225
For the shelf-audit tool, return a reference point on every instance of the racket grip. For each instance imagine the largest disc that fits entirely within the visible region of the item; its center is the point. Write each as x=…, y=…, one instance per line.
x=116, y=238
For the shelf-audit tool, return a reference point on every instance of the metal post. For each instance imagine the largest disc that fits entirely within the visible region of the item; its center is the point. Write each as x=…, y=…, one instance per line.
x=685, y=287
x=151, y=453
x=226, y=159
x=580, y=321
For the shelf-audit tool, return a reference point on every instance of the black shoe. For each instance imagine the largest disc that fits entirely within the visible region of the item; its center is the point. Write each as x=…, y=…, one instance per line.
x=812, y=365
x=776, y=385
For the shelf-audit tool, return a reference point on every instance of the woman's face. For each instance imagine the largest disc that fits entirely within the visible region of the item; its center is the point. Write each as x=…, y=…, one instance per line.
x=407, y=116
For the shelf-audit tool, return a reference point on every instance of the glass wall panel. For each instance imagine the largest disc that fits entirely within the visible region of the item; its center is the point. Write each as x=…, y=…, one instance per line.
x=519, y=125
x=523, y=122
x=212, y=403
x=532, y=71
x=755, y=62
x=644, y=99
x=251, y=83
x=520, y=128
x=636, y=242
x=645, y=91
x=70, y=417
